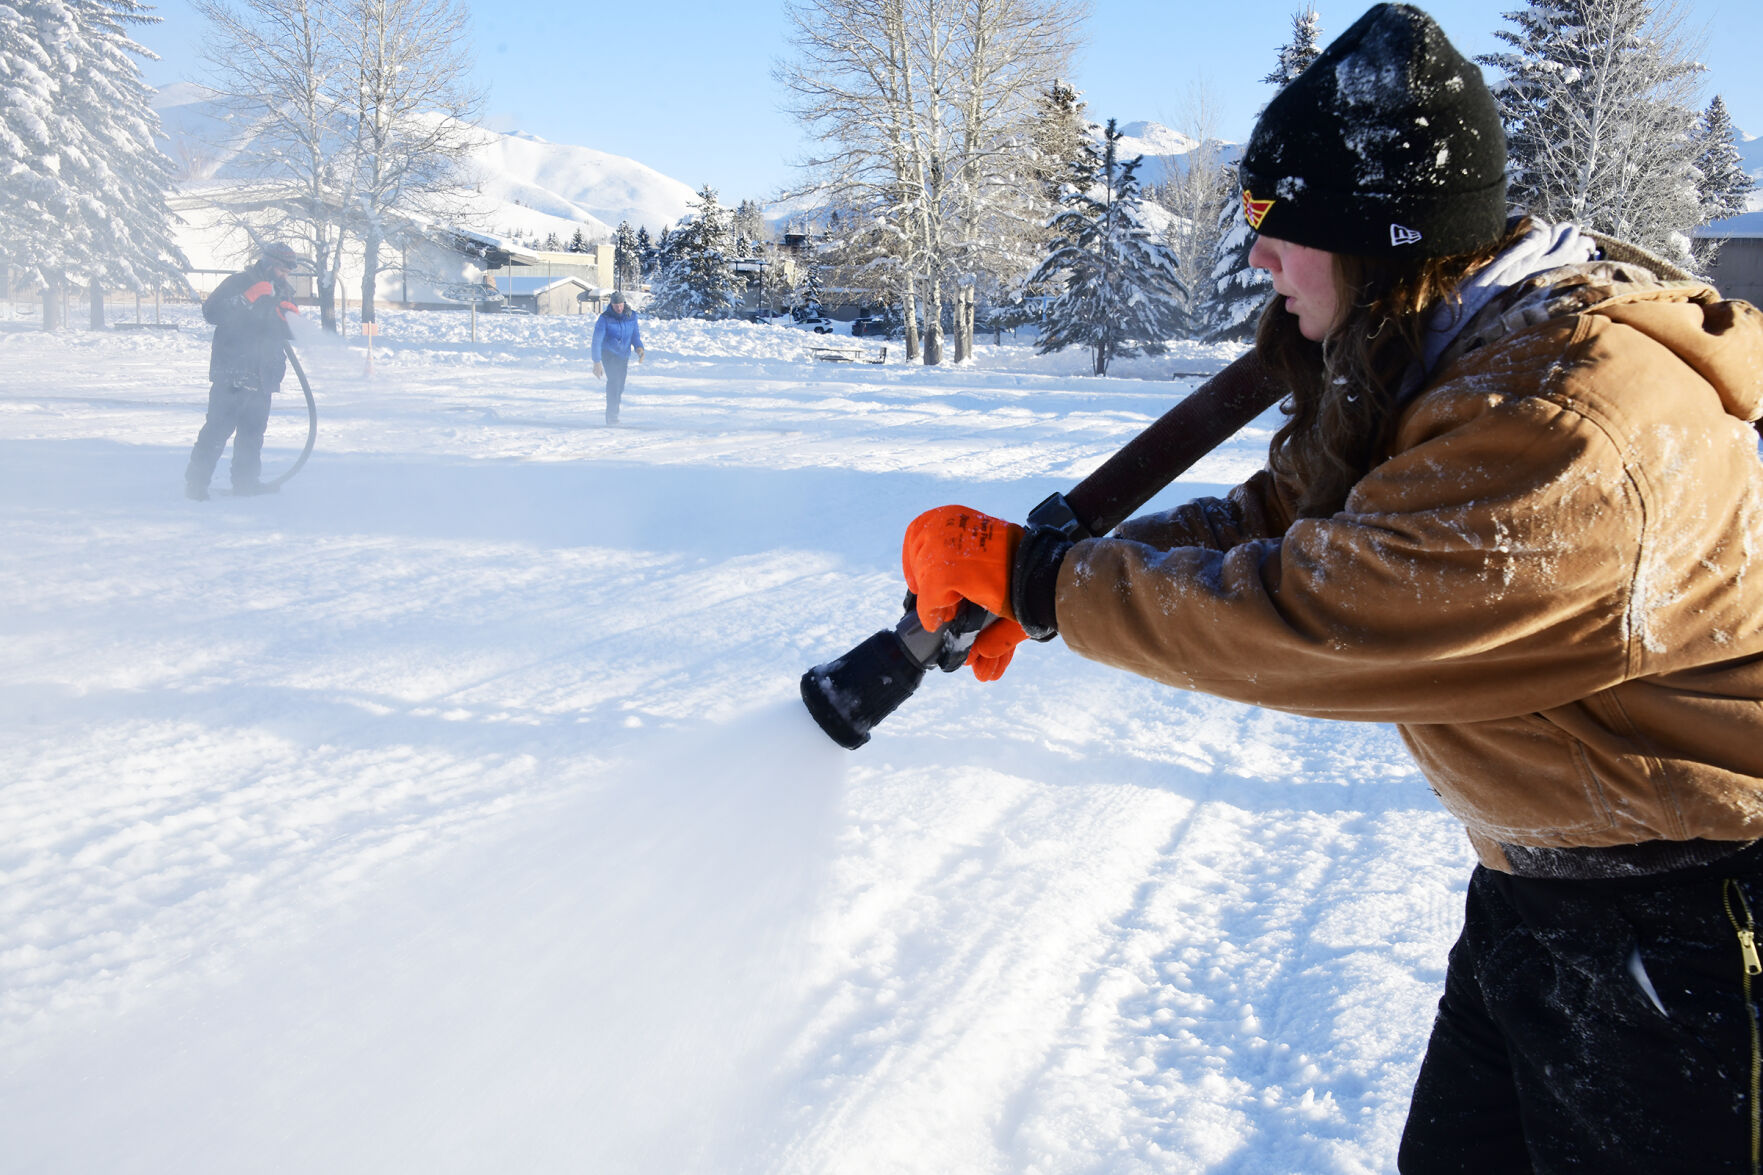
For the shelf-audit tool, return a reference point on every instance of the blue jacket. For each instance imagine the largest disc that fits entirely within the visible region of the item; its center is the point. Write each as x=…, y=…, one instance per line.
x=615, y=334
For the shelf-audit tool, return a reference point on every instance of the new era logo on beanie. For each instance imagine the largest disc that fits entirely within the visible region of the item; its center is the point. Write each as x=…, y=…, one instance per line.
x=1389, y=141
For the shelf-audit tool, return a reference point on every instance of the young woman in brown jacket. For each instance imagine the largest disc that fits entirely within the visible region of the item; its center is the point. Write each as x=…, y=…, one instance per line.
x=1516, y=509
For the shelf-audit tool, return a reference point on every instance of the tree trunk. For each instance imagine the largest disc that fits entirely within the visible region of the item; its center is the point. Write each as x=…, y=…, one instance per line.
x=325, y=286
x=972, y=313
x=96, y=292
x=52, y=304
x=964, y=303
x=909, y=305
x=933, y=326
x=370, y=254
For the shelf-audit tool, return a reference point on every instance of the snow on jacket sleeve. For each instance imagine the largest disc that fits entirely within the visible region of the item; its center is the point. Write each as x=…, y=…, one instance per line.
x=1485, y=570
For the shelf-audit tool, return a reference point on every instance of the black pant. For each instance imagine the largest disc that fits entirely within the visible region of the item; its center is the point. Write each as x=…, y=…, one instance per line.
x=616, y=366
x=1551, y=1052
x=238, y=407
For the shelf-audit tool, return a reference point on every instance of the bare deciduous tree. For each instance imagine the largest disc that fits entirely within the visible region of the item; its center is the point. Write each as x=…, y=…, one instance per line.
x=1599, y=99
x=924, y=111
x=411, y=119
x=350, y=118
x=275, y=64
x=1196, y=199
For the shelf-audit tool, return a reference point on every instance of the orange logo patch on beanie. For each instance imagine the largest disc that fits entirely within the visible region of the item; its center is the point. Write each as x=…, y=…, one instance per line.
x=1255, y=211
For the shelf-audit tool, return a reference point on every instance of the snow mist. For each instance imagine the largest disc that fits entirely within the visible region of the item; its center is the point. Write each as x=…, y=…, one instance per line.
x=604, y=987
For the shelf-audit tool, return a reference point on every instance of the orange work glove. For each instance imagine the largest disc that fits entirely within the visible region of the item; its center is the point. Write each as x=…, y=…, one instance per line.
x=260, y=290
x=993, y=648
x=287, y=308
x=954, y=553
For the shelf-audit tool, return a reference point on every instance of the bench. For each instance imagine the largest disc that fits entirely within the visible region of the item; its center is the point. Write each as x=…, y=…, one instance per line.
x=849, y=354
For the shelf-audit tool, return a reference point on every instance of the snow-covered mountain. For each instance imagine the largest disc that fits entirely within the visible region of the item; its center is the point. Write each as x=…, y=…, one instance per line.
x=577, y=185
x=525, y=185
x=1166, y=151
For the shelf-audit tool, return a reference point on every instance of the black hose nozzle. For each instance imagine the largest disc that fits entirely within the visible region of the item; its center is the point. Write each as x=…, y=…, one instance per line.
x=850, y=694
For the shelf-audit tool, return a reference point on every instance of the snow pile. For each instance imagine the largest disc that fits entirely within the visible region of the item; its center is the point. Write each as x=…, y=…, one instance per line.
x=454, y=809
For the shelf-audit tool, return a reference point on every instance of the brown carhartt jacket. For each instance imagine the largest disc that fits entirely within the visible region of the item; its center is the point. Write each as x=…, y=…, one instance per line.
x=1553, y=584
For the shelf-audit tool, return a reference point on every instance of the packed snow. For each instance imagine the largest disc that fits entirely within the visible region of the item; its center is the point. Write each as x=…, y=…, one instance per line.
x=454, y=810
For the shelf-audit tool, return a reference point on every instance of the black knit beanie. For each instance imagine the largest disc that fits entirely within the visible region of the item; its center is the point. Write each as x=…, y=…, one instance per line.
x=1390, y=143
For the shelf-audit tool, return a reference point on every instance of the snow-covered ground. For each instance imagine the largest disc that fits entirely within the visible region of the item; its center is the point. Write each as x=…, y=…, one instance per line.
x=454, y=810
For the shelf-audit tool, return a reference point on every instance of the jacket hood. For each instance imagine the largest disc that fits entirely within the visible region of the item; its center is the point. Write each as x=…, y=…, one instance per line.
x=1719, y=340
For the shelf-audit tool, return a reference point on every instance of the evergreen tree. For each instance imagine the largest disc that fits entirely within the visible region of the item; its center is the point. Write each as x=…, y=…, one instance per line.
x=808, y=292
x=1598, y=103
x=1237, y=289
x=578, y=243
x=1296, y=54
x=85, y=186
x=1724, y=185
x=626, y=255
x=695, y=277
x=749, y=228
x=645, y=253
x=1122, y=294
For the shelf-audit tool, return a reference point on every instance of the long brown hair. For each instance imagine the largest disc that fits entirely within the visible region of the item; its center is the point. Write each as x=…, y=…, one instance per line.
x=1342, y=407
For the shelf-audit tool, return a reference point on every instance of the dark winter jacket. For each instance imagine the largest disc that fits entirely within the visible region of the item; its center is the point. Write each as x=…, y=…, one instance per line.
x=616, y=334
x=248, y=335
x=1553, y=582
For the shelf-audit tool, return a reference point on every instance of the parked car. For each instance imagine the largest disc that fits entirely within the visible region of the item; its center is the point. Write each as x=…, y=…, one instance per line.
x=865, y=324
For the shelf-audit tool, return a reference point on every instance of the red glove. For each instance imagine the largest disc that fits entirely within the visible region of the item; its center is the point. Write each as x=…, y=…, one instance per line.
x=952, y=554
x=993, y=648
x=285, y=309
x=260, y=290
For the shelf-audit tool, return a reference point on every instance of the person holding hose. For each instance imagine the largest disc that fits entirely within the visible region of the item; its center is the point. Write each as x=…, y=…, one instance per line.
x=1516, y=509
x=616, y=338
x=246, y=363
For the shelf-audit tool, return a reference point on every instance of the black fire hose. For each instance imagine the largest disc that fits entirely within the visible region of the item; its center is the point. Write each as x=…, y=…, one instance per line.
x=849, y=695
x=311, y=419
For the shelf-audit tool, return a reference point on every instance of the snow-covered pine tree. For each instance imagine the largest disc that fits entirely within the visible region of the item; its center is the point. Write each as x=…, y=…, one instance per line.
x=696, y=277
x=1723, y=185
x=1121, y=292
x=1305, y=46
x=626, y=255
x=1238, y=290
x=749, y=228
x=646, y=252
x=84, y=196
x=1598, y=100
x=807, y=293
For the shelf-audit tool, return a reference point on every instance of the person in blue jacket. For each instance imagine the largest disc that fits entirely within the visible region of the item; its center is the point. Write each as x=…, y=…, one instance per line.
x=616, y=337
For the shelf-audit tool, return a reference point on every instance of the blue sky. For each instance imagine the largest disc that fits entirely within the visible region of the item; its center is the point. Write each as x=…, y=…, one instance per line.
x=685, y=85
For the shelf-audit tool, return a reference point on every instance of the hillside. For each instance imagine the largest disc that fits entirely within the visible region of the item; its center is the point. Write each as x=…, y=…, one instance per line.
x=524, y=185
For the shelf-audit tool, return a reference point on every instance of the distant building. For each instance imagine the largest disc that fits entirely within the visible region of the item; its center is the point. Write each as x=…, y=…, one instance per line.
x=545, y=295
x=1738, y=266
